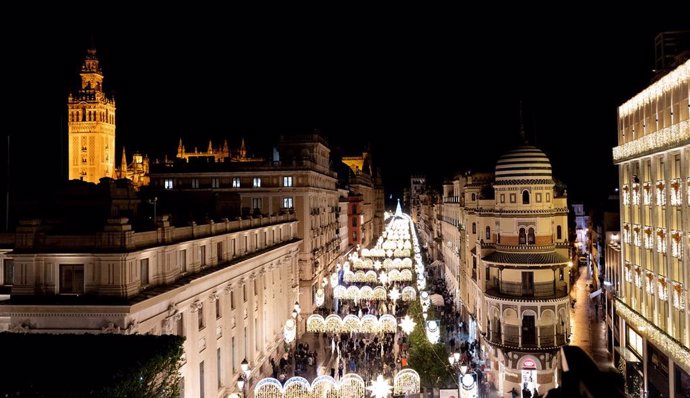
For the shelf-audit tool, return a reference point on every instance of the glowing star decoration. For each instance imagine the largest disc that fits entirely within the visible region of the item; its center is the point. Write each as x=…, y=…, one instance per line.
x=380, y=387
x=407, y=324
x=394, y=294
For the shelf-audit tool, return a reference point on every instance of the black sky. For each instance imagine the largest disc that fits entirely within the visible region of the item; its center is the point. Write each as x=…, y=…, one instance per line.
x=433, y=92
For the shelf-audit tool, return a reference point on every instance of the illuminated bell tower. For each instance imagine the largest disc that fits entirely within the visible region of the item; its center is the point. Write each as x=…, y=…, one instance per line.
x=91, y=126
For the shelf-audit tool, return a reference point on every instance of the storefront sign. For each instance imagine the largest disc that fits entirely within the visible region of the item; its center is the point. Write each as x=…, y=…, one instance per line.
x=529, y=364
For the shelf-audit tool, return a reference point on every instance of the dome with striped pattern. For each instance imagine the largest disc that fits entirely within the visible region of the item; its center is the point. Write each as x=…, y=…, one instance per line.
x=524, y=164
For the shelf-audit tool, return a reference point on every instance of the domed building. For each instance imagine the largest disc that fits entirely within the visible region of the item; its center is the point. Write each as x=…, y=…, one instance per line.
x=517, y=270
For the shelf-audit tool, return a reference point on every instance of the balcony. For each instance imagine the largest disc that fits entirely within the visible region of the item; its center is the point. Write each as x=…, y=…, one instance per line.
x=511, y=338
x=540, y=290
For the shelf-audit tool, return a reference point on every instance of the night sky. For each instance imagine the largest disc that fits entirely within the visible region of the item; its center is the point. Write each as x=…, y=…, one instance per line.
x=428, y=91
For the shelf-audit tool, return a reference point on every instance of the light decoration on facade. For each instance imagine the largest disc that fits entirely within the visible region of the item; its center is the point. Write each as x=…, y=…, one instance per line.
x=676, y=134
x=678, y=296
x=647, y=193
x=638, y=276
x=675, y=78
x=352, y=324
x=661, y=240
x=628, y=273
x=649, y=286
x=663, y=288
x=636, y=194
x=626, y=233
x=626, y=195
x=660, y=193
x=648, y=240
x=637, y=240
x=676, y=193
x=677, y=244
x=677, y=352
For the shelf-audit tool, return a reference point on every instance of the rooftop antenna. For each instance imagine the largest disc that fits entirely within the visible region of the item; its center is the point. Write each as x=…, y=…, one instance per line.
x=522, y=126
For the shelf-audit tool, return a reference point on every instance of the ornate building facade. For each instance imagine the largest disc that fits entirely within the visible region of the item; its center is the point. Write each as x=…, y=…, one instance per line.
x=653, y=158
x=517, y=270
x=228, y=287
x=91, y=126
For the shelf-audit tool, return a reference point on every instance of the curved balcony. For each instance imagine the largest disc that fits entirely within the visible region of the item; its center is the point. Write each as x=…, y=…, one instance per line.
x=525, y=292
x=539, y=338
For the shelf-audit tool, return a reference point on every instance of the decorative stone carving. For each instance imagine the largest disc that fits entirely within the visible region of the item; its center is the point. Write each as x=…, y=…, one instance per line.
x=132, y=328
x=228, y=288
x=213, y=297
x=196, y=305
x=111, y=327
x=22, y=327
x=174, y=315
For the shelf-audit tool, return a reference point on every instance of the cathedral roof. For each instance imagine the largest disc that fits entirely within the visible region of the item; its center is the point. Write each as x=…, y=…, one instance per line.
x=523, y=163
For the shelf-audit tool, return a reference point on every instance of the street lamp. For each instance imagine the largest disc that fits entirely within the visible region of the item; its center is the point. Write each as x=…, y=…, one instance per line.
x=295, y=315
x=244, y=375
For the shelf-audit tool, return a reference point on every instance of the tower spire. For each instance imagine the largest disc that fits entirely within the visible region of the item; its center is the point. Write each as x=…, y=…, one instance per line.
x=123, y=164
x=522, y=126
x=243, y=150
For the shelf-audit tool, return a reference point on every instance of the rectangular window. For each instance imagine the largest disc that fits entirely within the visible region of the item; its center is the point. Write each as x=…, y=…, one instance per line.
x=144, y=271
x=71, y=279
x=513, y=198
x=218, y=312
x=287, y=203
x=195, y=183
x=202, y=255
x=246, y=243
x=257, y=182
x=635, y=342
x=168, y=183
x=201, y=379
x=232, y=300
x=8, y=272
x=236, y=182
x=256, y=288
x=182, y=260
x=538, y=196
x=232, y=358
x=200, y=317
x=218, y=370
x=503, y=198
x=244, y=293
x=245, y=341
x=256, y=203
x=548, y=197
x=219, y=252
x=354, y=221
x=232, y=248
x=528, y=283
x=215, y=183
x=180, y=325
x=287, y=181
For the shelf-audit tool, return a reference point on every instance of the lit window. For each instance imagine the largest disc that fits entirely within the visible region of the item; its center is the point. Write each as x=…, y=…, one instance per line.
x=287, y=203
x=236, y=182
x=168, y=183
x=71, y=279
x=215, y=183
x=256, y=203
x=257, y=182
x=287, y=181
x=195, y=183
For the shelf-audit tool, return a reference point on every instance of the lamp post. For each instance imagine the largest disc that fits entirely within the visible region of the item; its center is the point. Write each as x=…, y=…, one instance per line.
x=244, y=376
x=295, y=315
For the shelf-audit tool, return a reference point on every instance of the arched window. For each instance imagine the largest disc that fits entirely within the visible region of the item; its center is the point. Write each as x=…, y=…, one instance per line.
x=488, y=233
x=474, y=227
x=525, y=197
x=474, y=197
x=559, y=233
x=523, y=237
x=530, y=236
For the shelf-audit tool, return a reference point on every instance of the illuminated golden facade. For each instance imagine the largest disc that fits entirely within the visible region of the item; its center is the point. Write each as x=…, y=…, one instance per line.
x=91, y=125
x=653, y=157
x=137, y=171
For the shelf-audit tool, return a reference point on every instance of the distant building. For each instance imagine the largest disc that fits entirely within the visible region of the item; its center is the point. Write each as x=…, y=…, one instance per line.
x=301, y=182
x=220, y=154
x=366, y=200
x=654, y=184
x=91, y=126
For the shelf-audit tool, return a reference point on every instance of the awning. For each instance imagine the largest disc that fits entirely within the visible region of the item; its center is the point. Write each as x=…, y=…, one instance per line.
x=436, y=299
